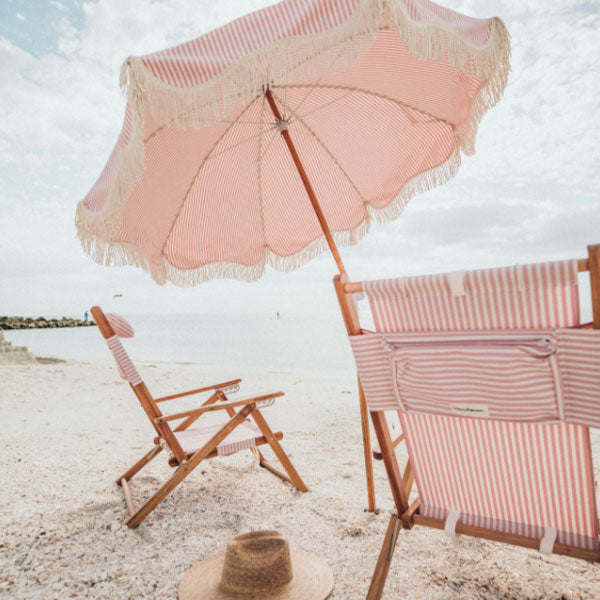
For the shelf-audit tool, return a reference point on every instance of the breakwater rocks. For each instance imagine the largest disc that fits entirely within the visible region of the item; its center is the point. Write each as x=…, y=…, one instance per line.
x=41, y=323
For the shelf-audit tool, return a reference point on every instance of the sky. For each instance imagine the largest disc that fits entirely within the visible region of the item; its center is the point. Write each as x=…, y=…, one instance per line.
x=530, y=193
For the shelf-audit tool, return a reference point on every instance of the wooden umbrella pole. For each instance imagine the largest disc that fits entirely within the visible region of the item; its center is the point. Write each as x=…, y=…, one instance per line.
x=282, y=125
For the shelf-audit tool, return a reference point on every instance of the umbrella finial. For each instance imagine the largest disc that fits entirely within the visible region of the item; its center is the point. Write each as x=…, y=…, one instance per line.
x=282, y=125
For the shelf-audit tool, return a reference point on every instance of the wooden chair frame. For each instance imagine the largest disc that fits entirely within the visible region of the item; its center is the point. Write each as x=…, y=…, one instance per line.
x=187, y=462
x=401, y=482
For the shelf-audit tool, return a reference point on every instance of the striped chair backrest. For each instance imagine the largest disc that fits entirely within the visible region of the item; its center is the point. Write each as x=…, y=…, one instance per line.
x=498, y=343
x=119, y=327
x=492, y=382
x=520, y=297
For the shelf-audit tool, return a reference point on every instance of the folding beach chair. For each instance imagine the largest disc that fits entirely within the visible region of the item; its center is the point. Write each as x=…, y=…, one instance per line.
x=496, y=384
x=187, y=447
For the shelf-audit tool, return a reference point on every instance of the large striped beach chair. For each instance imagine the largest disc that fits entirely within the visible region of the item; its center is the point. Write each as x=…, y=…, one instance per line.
x=496, y=384
x=187, y=447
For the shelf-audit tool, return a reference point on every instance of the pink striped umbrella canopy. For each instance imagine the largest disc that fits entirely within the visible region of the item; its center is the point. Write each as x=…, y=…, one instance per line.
x=380, y=98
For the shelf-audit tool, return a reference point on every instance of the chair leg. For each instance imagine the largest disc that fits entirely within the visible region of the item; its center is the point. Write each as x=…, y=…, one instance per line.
x=286, y=463
x=385, y=559
x=187, y=467
x=269, y=467
x=366, y=433
x=140, y=464
x=262, y=462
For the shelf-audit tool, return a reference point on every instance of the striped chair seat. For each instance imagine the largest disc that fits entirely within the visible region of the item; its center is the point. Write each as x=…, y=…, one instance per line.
x=242, y=437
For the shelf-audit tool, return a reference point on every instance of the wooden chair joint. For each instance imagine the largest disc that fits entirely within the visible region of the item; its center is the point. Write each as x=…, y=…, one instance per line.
x=407, y=515
x=377, y=455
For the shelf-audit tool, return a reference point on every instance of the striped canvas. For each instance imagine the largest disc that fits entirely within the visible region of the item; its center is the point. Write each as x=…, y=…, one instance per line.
x=242, y=437
x=126, y=368
x=535, y=375
x=380, y=99
x=519, y=297
x=121, y=326
x=579, y=360
x=493, y=380
x=462, y=358
x=511, y=477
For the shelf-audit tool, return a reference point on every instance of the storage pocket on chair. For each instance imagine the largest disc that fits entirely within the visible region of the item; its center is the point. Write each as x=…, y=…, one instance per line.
x=512, y=378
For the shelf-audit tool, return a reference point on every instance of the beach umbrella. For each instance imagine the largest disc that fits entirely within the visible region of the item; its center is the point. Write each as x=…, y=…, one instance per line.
x=286, y=131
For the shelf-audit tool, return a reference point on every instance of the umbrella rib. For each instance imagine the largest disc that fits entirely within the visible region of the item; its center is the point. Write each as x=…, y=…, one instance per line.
x=259, y=175
x=229, y=121
x=314, y=110
x=331, y=155
x=244, y=141
x=310, y=91
x=172, y=122
x=189, y=189
x=270, y=143
x=325, y=86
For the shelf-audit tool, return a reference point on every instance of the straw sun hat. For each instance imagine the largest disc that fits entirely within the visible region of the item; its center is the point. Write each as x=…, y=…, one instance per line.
x=258, y=565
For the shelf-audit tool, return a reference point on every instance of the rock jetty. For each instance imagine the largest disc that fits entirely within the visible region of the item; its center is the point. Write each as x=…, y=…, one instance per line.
x=41, y=323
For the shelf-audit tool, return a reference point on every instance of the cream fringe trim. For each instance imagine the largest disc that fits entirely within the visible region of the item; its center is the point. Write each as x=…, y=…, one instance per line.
x=114, y=253
x=306, y=56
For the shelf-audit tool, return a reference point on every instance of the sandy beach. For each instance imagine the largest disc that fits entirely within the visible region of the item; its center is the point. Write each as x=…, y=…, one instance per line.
x=69, y=428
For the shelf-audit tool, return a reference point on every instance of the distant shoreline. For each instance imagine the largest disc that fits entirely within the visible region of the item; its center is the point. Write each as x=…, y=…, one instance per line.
x=9, y=323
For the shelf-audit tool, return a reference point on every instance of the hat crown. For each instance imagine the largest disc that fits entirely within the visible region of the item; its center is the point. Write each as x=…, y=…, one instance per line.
x=256, y=562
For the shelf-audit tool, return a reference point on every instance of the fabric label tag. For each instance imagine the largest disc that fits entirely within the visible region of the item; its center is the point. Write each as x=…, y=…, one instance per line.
x=470, y=410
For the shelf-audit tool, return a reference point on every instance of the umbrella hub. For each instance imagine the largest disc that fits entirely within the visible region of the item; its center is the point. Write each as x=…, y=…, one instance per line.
x=282, y=125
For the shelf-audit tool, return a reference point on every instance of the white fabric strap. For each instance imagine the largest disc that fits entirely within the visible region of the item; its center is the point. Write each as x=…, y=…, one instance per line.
x=456, y=280
x=450, y=524
x=547, y=543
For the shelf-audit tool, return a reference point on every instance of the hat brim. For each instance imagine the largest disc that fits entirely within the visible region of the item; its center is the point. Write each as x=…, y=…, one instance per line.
x=312, y=580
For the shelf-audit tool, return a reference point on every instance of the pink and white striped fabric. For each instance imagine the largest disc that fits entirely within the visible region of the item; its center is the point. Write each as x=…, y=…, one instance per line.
x=503, y=346
x=379, y=98
x=462, y=357
x=541, y=295
x=579, y=359
x=535, y=375
x=126, y=368
x=243, y=437
x=511, y=477
x=120, y=325
x=500, y=375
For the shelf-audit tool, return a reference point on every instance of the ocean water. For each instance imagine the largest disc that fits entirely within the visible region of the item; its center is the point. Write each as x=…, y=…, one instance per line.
x=296, y=343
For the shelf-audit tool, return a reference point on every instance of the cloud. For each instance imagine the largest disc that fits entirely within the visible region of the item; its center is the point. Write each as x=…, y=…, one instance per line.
x=529, y=193
x=20, y=16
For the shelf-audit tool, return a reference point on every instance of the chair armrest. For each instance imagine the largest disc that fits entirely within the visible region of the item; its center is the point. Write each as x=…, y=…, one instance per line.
x=208, y=388
x=220, y=406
